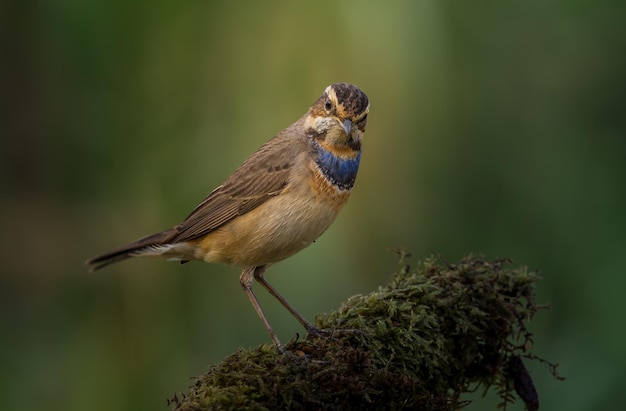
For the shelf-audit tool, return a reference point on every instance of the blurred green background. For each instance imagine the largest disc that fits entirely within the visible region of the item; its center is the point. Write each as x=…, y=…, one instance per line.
x=495, y=127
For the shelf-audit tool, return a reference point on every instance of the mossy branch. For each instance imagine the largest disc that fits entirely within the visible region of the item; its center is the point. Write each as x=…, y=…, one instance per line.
x=429, y=336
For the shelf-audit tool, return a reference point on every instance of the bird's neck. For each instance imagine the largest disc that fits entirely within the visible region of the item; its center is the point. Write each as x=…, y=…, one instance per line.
x=339, y=165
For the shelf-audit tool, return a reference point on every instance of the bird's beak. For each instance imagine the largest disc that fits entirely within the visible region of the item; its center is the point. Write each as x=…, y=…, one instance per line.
x=347, y=126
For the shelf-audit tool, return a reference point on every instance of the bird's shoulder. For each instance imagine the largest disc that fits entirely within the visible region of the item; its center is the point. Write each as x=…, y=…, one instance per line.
x=265, y=174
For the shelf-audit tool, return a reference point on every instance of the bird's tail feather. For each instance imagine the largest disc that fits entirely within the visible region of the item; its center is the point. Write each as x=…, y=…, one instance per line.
x=130, y=250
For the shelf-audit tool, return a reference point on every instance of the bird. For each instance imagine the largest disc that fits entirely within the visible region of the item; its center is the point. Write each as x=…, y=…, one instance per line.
x=276, y=203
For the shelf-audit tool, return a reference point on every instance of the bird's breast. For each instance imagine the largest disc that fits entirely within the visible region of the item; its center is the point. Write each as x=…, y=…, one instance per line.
x=319, y=186
x=339, y=167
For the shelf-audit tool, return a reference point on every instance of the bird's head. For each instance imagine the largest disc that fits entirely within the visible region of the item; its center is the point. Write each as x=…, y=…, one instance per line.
x=339, y=116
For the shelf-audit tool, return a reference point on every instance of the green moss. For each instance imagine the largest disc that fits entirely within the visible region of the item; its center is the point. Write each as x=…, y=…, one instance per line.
x=429, y=336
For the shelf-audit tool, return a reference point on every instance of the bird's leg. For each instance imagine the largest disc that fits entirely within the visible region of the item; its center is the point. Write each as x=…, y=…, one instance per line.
x=251, y=273
x=259, y=276
x=308, y=326
x=246, y=279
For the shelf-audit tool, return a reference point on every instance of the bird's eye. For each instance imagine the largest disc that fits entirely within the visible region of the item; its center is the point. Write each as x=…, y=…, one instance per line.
x=328, y=105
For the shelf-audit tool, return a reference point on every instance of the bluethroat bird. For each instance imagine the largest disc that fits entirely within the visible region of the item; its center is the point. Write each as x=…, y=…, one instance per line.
x=280, y=200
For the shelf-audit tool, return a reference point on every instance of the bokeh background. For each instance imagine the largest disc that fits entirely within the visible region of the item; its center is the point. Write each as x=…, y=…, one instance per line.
x=495, y=127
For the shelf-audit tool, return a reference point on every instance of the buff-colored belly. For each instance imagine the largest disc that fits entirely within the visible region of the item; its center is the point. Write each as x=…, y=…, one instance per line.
x=276, y=229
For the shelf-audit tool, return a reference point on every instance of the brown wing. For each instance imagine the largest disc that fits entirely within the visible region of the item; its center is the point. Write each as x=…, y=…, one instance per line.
x=262, y=176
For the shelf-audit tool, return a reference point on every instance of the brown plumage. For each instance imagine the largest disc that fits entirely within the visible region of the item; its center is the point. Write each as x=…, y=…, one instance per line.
x=276, y=203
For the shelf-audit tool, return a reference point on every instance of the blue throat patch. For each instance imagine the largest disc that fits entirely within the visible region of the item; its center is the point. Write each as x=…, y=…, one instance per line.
x=340, y=171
